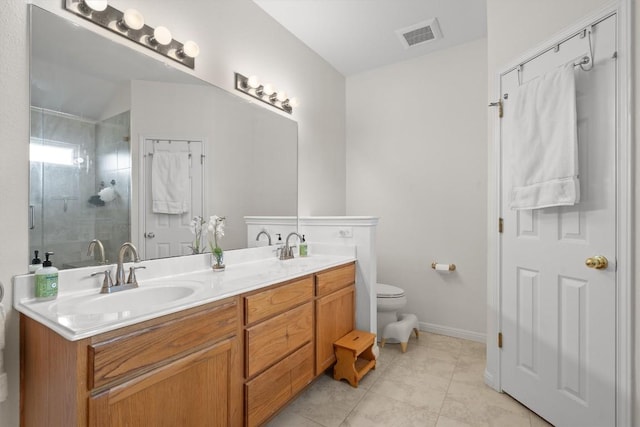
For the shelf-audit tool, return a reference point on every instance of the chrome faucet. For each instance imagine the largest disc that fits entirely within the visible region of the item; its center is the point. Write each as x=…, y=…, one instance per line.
x=287, y=251
x=108, y=286
x=266, y=233
x=131, y=281
x=92, y=246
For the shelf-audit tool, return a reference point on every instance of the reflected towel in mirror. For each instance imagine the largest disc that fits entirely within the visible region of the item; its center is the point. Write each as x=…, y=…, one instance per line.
x=170, y=182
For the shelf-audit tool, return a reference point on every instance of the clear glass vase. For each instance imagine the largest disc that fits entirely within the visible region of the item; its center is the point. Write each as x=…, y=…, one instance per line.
x=217, y=259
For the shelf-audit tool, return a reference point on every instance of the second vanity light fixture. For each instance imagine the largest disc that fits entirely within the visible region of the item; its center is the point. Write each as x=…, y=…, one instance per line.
x=130, y=24
x=265, y=93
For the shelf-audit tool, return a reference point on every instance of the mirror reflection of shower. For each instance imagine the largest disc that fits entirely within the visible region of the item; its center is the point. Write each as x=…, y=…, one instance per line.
x=79, y=185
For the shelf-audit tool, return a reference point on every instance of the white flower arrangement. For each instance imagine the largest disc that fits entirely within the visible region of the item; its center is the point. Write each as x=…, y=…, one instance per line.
x=196, y=226
x=215, y=231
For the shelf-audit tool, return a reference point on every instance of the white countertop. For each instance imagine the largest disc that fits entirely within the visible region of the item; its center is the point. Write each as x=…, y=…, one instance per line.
x=81, y=312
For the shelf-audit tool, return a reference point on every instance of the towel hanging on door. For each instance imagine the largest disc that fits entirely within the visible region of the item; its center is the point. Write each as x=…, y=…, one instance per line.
x=541, y=142
x=170, y=190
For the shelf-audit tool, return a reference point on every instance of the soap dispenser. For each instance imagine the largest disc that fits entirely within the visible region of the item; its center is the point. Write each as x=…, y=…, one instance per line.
x=36, y=263
x=304, y=249
x=46, y=280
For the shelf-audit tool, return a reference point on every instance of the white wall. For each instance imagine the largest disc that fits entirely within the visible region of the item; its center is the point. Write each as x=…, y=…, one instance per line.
x=14, y=179
x=234, y=35
x=416, y=144
x=515, y=26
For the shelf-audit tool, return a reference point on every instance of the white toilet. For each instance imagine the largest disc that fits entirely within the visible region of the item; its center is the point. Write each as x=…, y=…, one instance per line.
x=394, y=327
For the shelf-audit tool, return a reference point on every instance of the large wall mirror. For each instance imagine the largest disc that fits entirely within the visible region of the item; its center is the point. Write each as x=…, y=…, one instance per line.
x=108, y=126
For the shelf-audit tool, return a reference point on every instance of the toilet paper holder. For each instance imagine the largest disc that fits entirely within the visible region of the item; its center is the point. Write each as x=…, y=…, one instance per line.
x=443, y=267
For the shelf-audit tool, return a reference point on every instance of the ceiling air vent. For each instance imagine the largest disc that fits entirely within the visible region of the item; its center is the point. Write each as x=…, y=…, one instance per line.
x=420, y=33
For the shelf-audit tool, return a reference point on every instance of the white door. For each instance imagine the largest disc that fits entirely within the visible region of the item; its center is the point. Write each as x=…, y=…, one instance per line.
x=558, y=315
x=170, y=234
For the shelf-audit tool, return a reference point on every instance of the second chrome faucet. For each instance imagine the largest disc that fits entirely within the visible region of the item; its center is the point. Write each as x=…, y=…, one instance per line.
x=287, y=251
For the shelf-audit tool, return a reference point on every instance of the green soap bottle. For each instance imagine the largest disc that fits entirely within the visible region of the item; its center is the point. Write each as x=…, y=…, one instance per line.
x=46, y=280
x=303, y=247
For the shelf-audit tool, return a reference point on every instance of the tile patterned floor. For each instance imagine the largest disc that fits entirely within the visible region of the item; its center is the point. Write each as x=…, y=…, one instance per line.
x=438, y=382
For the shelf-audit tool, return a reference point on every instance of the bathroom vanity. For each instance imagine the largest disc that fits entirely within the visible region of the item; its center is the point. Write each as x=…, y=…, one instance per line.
x=232, y=353
x=179, y=369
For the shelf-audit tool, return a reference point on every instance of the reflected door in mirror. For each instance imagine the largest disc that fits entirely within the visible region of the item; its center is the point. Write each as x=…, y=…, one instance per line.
x=171, y=203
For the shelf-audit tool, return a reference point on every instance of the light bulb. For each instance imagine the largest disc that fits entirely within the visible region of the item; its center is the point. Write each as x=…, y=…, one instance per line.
x=190, y=49
x=252, y=81
x=282, y=96
x=293, y=102
x=268, y=89
x=133, y=19
x=95, y=5
x=161, y=35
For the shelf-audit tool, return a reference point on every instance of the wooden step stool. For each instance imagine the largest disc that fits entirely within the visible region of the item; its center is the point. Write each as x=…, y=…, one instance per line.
x=354, y=352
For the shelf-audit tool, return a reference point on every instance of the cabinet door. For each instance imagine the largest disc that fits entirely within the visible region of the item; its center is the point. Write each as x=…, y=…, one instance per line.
x=191, y=391
x=335, y=315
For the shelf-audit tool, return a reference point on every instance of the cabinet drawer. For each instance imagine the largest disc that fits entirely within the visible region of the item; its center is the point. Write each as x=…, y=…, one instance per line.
x=273, y=388
x=261, y=305
x=158, y=344
x=269, y=341
x=337, y=278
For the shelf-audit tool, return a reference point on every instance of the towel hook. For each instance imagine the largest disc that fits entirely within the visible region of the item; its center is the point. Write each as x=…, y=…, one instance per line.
x=589, y=31
x=520, y=75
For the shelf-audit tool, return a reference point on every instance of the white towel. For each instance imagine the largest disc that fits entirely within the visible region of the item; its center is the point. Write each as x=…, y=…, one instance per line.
x=541, y=144
x=170, y=183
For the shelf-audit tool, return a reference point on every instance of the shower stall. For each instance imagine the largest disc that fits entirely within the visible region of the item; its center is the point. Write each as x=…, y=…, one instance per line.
x=73, y=161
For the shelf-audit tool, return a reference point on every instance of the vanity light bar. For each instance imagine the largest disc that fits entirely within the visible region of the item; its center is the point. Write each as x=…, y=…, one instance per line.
x=265, y=93
x=130, y=24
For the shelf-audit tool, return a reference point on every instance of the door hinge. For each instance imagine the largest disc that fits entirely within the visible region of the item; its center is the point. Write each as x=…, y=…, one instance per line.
x=500, y=225
x=499, y=339
x=499, y=105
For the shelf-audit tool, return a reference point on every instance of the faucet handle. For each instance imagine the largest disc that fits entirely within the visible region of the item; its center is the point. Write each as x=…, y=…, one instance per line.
x=107, y=283
x=132, y=274
x=290, y=254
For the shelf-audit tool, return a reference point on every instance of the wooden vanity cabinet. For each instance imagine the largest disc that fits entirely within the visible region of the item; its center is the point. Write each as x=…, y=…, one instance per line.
x=180, y=369
x=228, y=363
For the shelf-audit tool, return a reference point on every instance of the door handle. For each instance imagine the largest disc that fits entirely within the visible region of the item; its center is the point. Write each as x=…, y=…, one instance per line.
x=150, y=235
x=599, y=262
x=32, y=217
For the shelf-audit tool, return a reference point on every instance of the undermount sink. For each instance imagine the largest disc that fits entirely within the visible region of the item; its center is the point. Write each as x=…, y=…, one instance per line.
x=140, y=299
x=301, y=262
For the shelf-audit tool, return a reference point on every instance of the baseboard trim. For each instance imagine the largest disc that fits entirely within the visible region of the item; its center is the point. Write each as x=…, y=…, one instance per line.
x=488, y=380
x=453, y=332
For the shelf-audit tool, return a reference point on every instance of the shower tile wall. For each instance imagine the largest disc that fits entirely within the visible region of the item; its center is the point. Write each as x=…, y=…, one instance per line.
x=64, y=221
x=114, y=164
